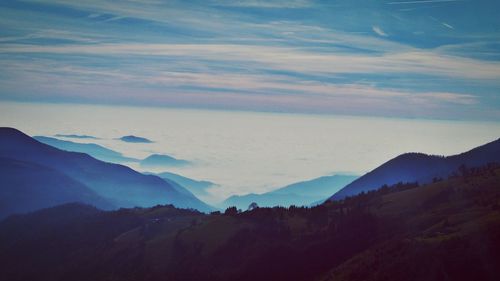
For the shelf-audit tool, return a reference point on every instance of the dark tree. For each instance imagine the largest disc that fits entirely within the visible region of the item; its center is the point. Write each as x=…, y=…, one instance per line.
x=231, y=211
x=252, y=206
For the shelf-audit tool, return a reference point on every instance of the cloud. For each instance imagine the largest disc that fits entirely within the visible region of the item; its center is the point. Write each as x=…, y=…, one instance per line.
x=57, y=34
x=447, y=25
x=264, y=3
x=421, y=2
x=158, y=87
x=379, y=31
x=464, y=99
x=247, y=52
x=284, y=58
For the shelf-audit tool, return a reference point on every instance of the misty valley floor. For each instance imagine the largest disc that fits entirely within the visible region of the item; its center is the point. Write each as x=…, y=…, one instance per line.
x=446, y=230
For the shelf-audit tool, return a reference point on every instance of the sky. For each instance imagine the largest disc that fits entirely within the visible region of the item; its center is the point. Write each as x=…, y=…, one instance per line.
x=427, y=59
x=257, y=94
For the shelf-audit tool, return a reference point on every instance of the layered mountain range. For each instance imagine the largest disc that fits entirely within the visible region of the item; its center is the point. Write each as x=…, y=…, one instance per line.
x=80, y=177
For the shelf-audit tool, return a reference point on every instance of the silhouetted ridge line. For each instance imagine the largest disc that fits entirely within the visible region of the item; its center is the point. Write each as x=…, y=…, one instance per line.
x=420, y=167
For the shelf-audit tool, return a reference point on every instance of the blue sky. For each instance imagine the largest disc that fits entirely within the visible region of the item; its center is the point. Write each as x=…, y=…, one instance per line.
x=416, y=59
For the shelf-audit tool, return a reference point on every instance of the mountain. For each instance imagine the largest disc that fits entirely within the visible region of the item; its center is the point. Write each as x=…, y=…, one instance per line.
x=27, y=187
x=419, y=167
x=120, y=185
x=447, y=230
x=198, y=188
x=73, y=136
x=94, y=150
x=302, y=193
x=161, y=160
x=316, y=187
x=108, y=155
x=135, y=139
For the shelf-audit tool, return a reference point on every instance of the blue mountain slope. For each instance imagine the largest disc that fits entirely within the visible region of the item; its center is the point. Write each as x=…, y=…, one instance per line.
x=160, y=160
x=300, y=194
x=198, y=188
x=94, y=150
x=28, y=187
x=73, y=136
x=121, y=185
x=411, y=167
x=135, y=139
x=316, y=187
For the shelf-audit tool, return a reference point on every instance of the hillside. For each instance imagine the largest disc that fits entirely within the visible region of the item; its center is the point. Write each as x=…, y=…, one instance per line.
x=448, y=230
x=118, y=184
x=411, y=167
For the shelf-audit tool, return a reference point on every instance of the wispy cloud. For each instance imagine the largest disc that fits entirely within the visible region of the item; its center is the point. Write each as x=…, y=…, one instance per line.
x=56, y=34
x=264, y=3
x=247, y=54
x=379, y=31
x=158, y=86
x=421, y=2
x=287, y=59
x=447, y=25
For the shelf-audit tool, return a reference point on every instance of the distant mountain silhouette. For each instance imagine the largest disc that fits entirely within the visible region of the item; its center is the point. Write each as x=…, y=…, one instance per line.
x=94, y=150
x=28, y=187
x=302, y=193
x=198, y=188
x=135, y=139
x=161, y=160
x=316, y=187
x=76, y=136
x=118, y=184
x=411, y=167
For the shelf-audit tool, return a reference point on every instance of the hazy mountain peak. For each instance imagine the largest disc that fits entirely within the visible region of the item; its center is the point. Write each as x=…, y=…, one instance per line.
x=163, y=160
x=135, y=139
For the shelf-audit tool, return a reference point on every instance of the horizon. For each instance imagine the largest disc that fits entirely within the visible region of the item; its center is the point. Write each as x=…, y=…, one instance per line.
x=255, y=152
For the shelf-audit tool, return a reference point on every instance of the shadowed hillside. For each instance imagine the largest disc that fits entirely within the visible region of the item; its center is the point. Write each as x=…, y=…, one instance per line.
x=28, y=187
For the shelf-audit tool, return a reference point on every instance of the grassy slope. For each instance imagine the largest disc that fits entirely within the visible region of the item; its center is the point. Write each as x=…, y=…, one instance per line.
x=450, y=230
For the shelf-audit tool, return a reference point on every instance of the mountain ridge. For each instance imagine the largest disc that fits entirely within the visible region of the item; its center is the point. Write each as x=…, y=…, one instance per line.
x=120, y=184
x=97, y=151
x=303, y=193
x=420, y=167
